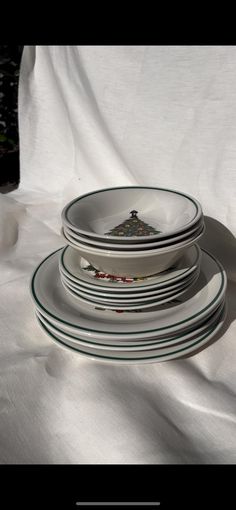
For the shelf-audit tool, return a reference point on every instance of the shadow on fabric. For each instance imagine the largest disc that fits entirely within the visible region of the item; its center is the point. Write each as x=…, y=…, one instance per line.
x=220, y=241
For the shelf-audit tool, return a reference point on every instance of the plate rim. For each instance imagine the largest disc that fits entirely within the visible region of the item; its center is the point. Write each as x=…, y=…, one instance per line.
x=154, y=292
x=155, y=358
x=143, y=304
x=215, y=315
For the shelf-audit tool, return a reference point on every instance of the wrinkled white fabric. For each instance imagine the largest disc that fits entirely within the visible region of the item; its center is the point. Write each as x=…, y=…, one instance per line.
x=93, y=117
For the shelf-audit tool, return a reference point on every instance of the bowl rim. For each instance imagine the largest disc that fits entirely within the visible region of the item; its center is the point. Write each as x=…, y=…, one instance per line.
x=134, y=248
x=65, y=210
x=140, y=253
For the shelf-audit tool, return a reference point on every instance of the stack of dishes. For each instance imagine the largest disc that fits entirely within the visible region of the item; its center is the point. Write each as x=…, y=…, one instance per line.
x=91, y=286
x=132, y=231
x=144, y=309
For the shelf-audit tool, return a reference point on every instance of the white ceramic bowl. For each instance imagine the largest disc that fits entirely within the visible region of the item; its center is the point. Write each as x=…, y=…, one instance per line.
x=168, y=212
x=87, y=241
x=132, y=248
x=134, y=264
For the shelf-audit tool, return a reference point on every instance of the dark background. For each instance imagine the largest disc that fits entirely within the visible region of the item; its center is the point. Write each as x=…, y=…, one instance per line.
x=60, y=486
x=10, y=58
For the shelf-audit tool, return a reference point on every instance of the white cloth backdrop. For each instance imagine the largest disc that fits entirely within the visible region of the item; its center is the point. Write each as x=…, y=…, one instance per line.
x=93, y=117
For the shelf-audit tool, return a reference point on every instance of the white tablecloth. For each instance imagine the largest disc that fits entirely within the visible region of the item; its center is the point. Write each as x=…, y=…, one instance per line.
x=93, y=117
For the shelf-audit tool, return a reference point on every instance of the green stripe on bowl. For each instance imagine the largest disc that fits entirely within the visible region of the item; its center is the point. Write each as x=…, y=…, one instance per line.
x=67, y=208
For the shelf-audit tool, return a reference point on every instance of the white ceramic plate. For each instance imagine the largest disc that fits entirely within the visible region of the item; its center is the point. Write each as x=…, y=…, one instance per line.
x=79, y=270
x=71, y=234
x=129, y=340
x=98, y=354
x=132, y=304
x=199, y=302
x=128, y=295
x=167, y=211
x=142, y=345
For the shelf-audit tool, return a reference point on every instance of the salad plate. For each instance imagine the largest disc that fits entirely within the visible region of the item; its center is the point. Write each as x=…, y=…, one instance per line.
x=133, y=304
x=79, y=270
x=130, y=295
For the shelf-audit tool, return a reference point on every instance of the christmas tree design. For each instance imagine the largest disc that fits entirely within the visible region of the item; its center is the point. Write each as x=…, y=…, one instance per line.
x=133, y=227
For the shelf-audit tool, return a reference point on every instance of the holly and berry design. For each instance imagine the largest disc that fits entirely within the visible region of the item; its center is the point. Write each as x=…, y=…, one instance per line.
x=111, y=277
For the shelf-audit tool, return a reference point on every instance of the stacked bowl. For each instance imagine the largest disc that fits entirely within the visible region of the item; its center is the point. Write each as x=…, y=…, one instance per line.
x=131, y=285
x=132, y=231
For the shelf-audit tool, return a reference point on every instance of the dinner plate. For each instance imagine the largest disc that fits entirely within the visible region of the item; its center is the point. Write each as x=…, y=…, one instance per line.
x=71, y=234
x=198, y=302
x=104, y=293
x=132, y=304
x=79, y=270
x=141, y=345
x=138, y=358
x=129, y=339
